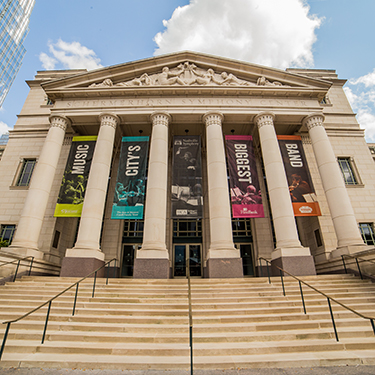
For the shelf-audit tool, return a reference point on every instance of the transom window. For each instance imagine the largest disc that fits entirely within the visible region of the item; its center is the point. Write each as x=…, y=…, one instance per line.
x=7, y=233
x=187, y=228
x=347, y=171
x=241, y=227
x=26, y=172
x=133, y=228
x=367, y=232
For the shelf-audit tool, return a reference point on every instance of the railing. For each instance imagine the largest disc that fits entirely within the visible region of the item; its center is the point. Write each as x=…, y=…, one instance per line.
x=357, y=262
x=49, y=303
x=190, y=322
x=18, y=261
x=329, y=299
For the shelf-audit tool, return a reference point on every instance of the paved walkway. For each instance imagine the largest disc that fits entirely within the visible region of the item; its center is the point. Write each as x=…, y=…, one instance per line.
x=341, y=370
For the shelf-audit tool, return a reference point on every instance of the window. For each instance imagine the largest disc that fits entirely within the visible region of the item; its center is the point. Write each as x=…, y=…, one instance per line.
x=241, y=227
x=133, y=228
x=187, y=228
x=56, y=239
x=347, y=171
x=367, y=232
x=7, y=232
x=318, y=238
x=26, y=172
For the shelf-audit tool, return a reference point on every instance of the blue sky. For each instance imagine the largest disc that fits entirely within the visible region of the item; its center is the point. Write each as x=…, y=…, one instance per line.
x=322, y=34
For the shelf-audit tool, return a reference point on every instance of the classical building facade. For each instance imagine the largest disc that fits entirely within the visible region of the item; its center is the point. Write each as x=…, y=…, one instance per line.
x=169, y=100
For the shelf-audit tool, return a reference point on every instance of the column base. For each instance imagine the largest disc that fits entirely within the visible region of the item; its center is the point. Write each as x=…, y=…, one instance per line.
x=224, y=268
x=81, y=267
x=297, y=261
x=81, y=262
x=151, y=268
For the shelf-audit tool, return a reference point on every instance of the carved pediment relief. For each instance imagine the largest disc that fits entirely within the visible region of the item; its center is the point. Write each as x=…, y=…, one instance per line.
x=188, y=74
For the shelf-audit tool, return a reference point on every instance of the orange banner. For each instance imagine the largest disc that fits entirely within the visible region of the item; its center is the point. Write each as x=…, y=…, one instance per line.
x=301, y=189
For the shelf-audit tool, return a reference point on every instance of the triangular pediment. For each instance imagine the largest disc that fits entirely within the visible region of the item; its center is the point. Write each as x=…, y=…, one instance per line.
x=182, y=73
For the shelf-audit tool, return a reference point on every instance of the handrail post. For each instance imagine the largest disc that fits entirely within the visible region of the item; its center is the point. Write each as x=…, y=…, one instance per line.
x=4, y=339
x=303, y=300
x=15, y=275
x=45, y=325
x=372, y=325
x=190, y=322
x=359, y=269
x=333, y=319
x=282, y=282
x=260, y=266
x=106, y=283
x=114, y=269
x=343, y=261
x=31, y=265
x=268, y=272
x=75, y=300
x=93, y=288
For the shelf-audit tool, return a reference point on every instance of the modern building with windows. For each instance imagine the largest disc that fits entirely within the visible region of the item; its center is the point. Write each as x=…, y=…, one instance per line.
x=195, y=164
x=14, y=27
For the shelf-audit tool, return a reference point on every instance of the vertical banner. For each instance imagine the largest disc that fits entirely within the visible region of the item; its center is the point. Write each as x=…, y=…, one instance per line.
x=245, y=192
x=76, y=174
x=129, y=198
x=187, y=195
x=301, y=189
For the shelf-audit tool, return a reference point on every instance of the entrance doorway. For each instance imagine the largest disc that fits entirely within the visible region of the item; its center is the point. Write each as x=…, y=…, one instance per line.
x=187, y=260
x=247, y=258
x=128, y=259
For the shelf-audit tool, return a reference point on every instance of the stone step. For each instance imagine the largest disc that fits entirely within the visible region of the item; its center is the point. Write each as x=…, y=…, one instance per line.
x=119, y=362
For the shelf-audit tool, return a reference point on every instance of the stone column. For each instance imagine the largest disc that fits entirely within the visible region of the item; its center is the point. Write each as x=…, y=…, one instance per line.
x=86, y=255
x=223, y=259
x=289, y=254
x=26, y=238
x=152, y=260
x=349, y=239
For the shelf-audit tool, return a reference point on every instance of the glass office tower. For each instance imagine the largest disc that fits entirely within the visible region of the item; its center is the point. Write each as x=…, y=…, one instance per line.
x=14, y=26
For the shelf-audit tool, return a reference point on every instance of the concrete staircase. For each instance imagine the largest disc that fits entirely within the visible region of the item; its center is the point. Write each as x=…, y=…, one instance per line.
x=143, y=324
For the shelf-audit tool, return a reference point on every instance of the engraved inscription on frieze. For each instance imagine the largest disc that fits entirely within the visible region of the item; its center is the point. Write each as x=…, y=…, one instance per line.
x=188, y=74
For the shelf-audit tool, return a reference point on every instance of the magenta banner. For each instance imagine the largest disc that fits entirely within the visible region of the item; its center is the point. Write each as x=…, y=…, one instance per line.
x=245, y=194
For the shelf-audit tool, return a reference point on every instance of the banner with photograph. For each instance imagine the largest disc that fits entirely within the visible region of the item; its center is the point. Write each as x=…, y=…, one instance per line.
x=129, y=198
x=301, y=189
x=76, y=174
x=245, y=194
x=187, y=194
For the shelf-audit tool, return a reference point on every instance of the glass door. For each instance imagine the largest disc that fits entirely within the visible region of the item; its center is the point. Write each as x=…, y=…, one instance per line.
x=187, y=260
x=128, y=259
x=247, y=258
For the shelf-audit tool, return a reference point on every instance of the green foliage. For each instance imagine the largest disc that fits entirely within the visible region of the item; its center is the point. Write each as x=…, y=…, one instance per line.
x=4, y=243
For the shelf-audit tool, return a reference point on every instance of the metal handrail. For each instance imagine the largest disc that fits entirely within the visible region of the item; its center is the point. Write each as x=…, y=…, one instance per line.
x=18, y=265
x=329, y=299
x=49, y=302
x=190, y=321
x=356, y=259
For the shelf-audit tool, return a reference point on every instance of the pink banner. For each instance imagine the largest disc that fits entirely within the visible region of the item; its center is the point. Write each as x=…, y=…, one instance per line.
x=245, y=194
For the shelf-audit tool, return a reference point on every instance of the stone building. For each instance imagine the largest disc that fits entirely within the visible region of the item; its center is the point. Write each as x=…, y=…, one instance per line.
x=171, y=99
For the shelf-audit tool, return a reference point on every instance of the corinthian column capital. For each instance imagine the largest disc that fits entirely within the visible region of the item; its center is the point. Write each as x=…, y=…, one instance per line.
x=315, y=119
x=59, y=121
x=264, y=118
x=160, y=118
x=109, y=119
x=213, y=118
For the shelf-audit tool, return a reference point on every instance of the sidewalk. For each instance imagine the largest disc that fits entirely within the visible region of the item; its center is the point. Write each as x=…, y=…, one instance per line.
x=341, y=370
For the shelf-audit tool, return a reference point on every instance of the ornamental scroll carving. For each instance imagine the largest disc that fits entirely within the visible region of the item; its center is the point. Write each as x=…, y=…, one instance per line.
x=188, y=74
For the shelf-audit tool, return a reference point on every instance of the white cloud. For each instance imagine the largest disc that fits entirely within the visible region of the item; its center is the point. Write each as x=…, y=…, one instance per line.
x=69, y=56
x=4, y=128
x=273, y=32
x=361, y=95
